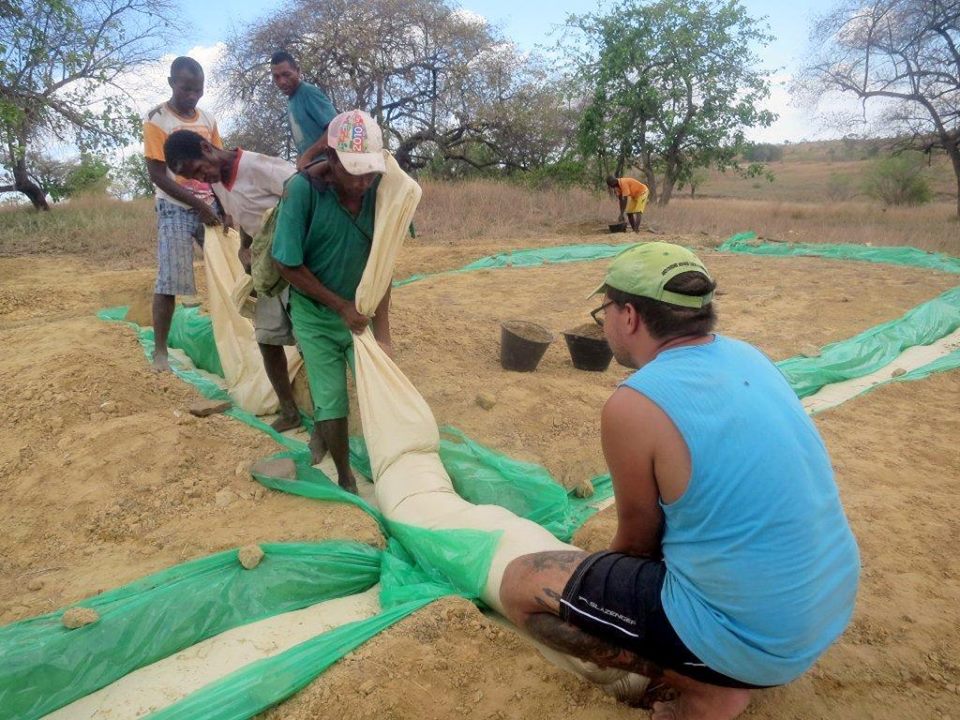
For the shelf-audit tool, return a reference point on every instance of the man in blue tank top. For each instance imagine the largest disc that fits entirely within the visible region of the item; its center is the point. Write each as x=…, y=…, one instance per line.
x=733, y=566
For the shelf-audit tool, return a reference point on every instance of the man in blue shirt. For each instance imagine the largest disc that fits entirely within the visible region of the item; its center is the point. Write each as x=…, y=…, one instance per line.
x=310, y=109
x=733, y=566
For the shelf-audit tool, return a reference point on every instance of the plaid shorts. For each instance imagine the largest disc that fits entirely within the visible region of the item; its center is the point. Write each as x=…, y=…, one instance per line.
x=177, y=228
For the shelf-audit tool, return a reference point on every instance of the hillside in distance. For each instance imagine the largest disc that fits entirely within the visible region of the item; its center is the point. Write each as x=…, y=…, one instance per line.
x=823, y=171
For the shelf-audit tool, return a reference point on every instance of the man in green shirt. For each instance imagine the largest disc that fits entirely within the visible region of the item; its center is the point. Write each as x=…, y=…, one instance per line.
x=309, y=108
x=321, y=244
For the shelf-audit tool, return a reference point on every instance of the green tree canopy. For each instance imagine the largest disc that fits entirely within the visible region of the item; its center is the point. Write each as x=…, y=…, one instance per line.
x=60, y=68
x=672, y=86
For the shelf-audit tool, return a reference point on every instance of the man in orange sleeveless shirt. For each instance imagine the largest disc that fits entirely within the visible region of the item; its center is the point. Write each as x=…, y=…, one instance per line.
x=633, y=196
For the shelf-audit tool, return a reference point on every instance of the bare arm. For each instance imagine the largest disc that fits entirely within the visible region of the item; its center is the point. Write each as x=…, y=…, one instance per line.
x=318, y=148
x=159, y=177
x=306, y=282
x=628, y=447
x=246, y=259
x=623, y=204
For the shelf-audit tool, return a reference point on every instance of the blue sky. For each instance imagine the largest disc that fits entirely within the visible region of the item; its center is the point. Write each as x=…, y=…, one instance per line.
x=528, y=25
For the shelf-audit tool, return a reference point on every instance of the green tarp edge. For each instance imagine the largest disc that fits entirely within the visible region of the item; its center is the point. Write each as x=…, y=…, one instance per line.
x=265, y=683
x=872, y=349
x=947, y=362
x=748, y=243
x=418, y=567
x=532, y=257
x=46, y=666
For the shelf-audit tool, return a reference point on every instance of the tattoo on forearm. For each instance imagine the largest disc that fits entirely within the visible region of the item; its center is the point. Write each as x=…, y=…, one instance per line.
x=543, y=600
x=557, y=560
x=562, y=636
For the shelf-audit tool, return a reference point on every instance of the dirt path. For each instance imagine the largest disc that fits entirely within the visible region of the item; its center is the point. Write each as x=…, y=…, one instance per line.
x=107, y=478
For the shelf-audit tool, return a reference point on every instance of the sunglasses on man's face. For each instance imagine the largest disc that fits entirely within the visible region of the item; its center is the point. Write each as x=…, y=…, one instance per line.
x=595, y=314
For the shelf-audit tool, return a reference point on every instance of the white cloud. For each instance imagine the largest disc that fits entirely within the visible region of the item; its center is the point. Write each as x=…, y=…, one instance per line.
x=148, y=86
x=469, y=16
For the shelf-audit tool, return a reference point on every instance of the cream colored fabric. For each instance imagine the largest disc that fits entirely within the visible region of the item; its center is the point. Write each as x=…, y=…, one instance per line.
x=240, y=357
x=402, y=439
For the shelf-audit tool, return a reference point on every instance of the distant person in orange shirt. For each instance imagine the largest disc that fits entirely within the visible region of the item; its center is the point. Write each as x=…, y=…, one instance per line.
x=633, y=196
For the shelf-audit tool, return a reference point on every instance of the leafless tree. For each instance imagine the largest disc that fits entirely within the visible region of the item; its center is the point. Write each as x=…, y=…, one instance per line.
x=902, y=53
x=441, y=82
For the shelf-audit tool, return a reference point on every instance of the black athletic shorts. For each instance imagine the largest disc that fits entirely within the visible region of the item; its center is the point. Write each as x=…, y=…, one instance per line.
x=616, y=598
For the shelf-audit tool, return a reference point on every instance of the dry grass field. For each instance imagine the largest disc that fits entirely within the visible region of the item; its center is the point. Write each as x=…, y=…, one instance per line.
x=802, y=204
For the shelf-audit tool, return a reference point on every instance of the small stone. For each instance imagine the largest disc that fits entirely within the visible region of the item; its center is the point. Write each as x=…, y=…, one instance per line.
x=367, y=687
x=279, y=468
x=250, y=556
x=203, y=408
x=77, y=617
x=34, y=584
x=109, y=407
x=486, y=400
x=810, y=350
x=583, y=489
x=193, y=492
x=190, y=301
x=241, y=469
x=259, y=493
x=224, y=497
x=898, y=372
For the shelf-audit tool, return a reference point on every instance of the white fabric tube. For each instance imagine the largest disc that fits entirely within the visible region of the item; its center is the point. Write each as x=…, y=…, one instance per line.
x=240, y=357
x=402, y=438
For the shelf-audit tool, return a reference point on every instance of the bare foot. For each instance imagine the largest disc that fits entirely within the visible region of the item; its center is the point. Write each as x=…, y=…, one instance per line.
x=287, y=420
x=349, y=483
x=161, y=363
x=318, y=448
x=703, y=702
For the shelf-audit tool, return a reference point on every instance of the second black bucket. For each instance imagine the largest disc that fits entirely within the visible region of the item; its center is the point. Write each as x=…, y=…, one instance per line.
x=522, y=344
x=588, y=348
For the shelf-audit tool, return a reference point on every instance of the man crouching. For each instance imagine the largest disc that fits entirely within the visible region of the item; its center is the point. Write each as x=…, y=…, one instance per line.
x=733, y=566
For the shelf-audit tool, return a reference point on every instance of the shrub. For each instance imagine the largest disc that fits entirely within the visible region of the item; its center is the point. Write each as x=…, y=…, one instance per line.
x=898, y=180
x=763, y=152
x=839, y=187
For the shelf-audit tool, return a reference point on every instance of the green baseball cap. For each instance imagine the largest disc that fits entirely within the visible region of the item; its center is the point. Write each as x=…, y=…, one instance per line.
x=645, y=268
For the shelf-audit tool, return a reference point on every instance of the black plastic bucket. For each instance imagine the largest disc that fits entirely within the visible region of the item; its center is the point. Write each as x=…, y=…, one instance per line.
x=618, y=227
x=522, y=344
x=588, y=348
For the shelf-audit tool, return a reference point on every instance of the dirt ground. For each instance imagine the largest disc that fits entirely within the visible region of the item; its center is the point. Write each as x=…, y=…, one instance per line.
x=108, y=478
